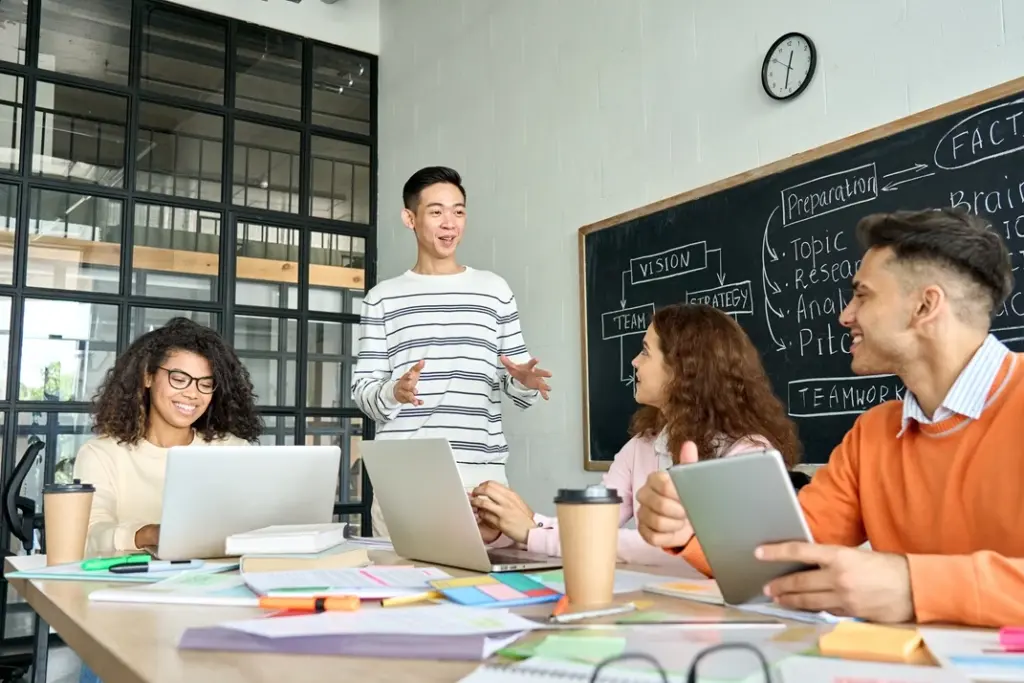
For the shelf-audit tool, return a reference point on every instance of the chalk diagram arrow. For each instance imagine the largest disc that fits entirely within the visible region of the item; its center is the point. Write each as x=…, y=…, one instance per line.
x=915, y=169
x=622, y=301
x=630, y=379
x=721, y=275
x=768, y=253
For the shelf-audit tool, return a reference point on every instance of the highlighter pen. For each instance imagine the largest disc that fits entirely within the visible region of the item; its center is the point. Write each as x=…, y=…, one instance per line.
x=410, y=599
x=333, y=603
x=156, y=566
x=101, y=563
x=561, y=606
x=564, y=618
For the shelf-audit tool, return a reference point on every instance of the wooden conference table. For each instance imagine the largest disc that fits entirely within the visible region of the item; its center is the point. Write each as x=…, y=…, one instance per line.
x=138, y=643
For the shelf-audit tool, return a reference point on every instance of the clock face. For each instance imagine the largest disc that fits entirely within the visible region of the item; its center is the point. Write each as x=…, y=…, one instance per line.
x=788, y=66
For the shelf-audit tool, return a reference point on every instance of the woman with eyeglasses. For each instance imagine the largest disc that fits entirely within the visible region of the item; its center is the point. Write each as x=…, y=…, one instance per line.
x=178, y=385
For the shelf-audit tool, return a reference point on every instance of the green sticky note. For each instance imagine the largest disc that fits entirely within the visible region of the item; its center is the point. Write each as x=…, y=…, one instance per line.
x=520, y=582
x=553, y=576
x=589, y=649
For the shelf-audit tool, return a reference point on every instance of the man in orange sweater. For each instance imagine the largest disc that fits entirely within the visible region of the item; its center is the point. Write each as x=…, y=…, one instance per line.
x=934, y=482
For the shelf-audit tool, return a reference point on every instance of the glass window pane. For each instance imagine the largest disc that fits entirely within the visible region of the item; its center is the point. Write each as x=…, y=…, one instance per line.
x=278, y=430
x=179, y=152
x=183, y=55
x=268, y=76
x=176, y=252
x=268, y=348
x=12, y=93
x=5, y=345
x=86, y=38
x=329, y=363
x=74, y=241
x=8, y=221
x=337, y=273
x=79, y=135
x=66, y=348
x=266, y=172
x=354, y=522
x=266, y=266
x=63, y=434
x=13, y=31
x=346, y=433
x=341, y=180
x=341, y=90
x=145, y=320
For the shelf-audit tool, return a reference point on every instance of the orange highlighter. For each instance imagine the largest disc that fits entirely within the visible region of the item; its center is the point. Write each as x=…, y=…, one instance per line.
x=333, y=603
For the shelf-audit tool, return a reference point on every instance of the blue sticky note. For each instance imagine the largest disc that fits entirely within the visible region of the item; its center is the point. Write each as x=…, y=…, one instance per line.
x=467, y=595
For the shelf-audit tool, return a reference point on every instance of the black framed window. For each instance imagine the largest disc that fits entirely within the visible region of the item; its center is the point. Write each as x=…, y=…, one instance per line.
x=159, y=161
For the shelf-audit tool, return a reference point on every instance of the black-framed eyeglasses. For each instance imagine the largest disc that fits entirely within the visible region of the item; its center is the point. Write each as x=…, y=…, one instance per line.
x=691, y=675
x=181, y=380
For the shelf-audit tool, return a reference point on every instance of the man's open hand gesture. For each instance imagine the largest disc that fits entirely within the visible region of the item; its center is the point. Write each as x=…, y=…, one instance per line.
x=405, y=388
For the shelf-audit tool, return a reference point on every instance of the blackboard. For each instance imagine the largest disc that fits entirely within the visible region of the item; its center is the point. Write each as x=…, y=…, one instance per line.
x=775, y=248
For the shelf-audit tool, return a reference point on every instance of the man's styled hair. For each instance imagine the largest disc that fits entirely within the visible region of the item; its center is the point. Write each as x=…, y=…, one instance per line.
x=950, y=239
x=425, y=177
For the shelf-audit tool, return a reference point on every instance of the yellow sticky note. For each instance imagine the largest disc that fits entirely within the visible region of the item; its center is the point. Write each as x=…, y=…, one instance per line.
x=463, y=581
x=870, y=642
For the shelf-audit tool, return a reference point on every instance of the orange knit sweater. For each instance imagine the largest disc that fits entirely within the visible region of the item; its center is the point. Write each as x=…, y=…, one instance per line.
x=949, y=496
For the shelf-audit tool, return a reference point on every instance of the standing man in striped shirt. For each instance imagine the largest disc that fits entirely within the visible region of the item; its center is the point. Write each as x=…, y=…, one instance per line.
x=441, y=342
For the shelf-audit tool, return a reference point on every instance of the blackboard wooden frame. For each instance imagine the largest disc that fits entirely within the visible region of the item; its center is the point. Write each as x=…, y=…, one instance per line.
x=879, y=132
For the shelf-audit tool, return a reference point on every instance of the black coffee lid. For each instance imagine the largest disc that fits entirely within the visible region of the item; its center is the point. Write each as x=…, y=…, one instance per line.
x=75, y=487
x=592, y=494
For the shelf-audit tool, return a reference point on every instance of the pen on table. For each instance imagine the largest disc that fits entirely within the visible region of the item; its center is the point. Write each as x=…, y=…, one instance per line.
x=560, y=606
x=156, y=566
x=410, y=599
x=563, y=618
x=101, y=563
x=333, y=603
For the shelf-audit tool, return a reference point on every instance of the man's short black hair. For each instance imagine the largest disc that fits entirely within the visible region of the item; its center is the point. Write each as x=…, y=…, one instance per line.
x=425, y=177
x=948, y=238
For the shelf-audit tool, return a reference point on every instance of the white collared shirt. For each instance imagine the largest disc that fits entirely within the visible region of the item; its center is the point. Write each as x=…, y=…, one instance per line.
x=969, y=392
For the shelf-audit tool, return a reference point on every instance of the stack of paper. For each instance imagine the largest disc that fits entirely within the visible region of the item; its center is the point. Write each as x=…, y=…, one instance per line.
x=369, y=583
x=434, y=632
x=706, y=591
x=73, y=572
x=193, y=588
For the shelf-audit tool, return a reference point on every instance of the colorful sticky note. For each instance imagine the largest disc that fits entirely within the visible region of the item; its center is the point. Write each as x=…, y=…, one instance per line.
x=589, y=649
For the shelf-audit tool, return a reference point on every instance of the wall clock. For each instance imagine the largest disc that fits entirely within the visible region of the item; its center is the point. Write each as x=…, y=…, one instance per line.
x=788, y=66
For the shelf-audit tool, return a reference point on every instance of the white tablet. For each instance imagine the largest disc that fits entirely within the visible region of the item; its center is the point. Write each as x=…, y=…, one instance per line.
x=736, y=504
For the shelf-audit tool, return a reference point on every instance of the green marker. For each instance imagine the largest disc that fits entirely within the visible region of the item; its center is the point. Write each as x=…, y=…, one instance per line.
x=102, y=563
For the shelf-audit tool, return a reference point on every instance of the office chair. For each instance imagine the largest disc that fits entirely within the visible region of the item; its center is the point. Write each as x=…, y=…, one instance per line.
x=799, y=479
x=22, y=521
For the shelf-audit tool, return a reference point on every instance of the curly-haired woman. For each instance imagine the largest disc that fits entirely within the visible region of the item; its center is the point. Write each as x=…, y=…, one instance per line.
x=699, y=378
x=178, y=385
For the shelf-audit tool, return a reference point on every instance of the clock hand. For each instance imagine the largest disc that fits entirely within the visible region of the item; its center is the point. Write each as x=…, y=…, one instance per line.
x=789, y=68
x=781, y=64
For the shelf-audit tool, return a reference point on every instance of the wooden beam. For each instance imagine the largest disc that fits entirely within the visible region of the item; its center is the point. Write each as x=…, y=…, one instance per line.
x=107, y=254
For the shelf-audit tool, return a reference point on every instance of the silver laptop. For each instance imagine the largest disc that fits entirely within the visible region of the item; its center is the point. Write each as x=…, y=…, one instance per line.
x=212, y=492
x=427, y=511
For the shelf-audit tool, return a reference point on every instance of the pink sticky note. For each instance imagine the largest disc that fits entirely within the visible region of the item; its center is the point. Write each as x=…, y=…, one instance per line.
x=500, y=592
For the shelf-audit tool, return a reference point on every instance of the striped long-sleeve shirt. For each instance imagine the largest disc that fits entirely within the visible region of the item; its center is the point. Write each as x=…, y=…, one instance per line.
x=458, y=325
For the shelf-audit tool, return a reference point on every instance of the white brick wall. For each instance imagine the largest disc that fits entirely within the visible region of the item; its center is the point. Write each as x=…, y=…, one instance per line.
x=559, y=113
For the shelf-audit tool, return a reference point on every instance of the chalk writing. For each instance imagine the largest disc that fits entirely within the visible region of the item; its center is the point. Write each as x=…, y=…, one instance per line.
x=820, y=397
x=733, y=298
x=987, y=134
x=829, y=193
x=622, y=323
x=669, y=263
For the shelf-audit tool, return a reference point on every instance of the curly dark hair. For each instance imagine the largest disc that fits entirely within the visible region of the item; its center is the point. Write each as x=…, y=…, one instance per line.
x=121, y=405
x=717, y=387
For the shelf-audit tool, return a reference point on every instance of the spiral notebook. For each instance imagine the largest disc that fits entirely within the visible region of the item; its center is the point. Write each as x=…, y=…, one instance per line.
x=551, y=670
